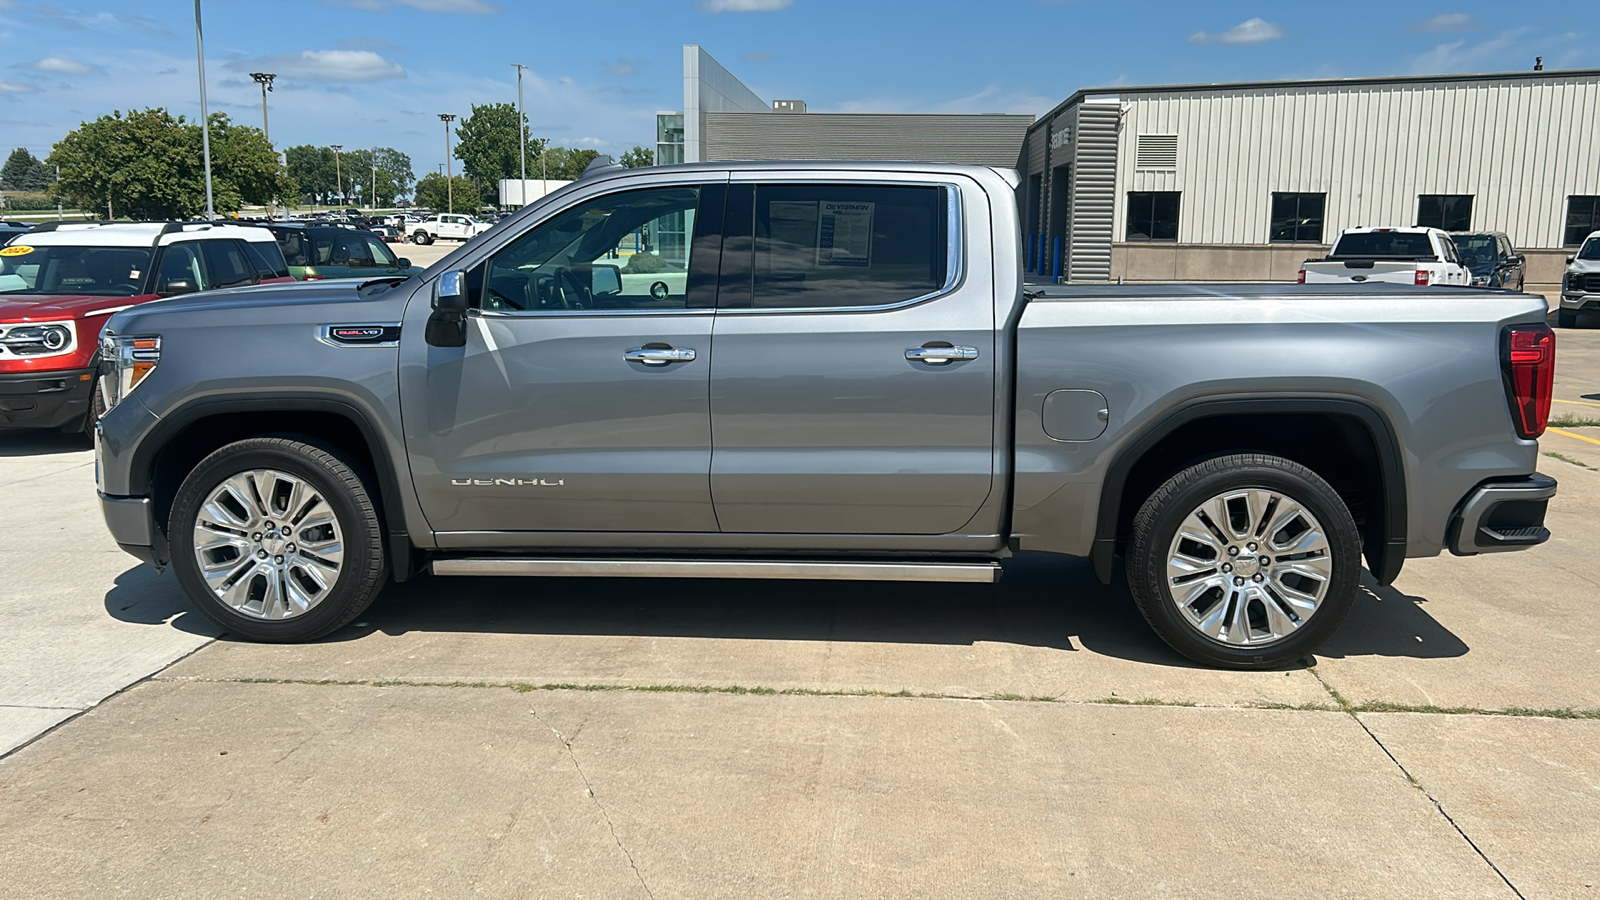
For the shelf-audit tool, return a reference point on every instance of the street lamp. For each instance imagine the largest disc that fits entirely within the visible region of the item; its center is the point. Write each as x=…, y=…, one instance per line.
x=338, y=177
x=522, y=140
x=449, y=179
x=205, y=119
x=265, y=80
x=374, y=180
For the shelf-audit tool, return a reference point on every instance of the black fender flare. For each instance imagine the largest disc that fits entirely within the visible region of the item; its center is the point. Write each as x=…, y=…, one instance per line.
x=1385, y=557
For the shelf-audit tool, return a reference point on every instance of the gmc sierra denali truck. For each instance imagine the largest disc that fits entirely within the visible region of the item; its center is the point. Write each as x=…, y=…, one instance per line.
x=851, y=382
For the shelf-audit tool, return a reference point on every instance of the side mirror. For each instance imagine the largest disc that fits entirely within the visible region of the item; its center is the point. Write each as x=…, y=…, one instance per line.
x=605, y=280
x=403, y=263
x=450, y=294
x=176, y=286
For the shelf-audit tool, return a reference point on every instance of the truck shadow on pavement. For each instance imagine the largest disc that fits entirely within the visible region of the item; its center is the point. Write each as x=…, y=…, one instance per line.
x=1043, y=601
x=43, y=443
x=143, y=597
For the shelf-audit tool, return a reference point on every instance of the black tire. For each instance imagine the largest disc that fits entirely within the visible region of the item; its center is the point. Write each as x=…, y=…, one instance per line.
x=1567, y=318
x=97, y=408
x=422, y=239
x=361, y=575
x=1152, y=539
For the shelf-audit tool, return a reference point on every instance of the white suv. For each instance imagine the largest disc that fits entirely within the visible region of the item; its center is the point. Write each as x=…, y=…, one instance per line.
x=1580, y=289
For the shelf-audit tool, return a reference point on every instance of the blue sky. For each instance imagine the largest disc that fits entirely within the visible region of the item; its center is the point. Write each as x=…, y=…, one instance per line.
x=378, y=72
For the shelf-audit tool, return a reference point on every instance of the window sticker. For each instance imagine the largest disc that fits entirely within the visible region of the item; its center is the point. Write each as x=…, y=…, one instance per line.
x=18, y=250
x=844, y=234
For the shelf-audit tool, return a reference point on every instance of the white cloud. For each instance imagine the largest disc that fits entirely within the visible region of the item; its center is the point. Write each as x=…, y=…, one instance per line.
x=1447, y=22
x=57, y=65
x=15, y=87
x=1511, y=49
x=325, y=65
x=722, y=6
x=1250, y=31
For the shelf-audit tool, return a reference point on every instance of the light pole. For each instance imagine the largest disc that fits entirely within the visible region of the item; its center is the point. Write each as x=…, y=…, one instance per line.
x=205, y=119
x=522, y=140
x=374, y=179
x=338, y=177
x=449, y=179
x=265, y=80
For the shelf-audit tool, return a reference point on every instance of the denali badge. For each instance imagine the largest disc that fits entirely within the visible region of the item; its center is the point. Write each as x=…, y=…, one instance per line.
x=506, y=482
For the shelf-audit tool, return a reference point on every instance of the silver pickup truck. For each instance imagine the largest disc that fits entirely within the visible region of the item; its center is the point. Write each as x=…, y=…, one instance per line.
x=817, y=371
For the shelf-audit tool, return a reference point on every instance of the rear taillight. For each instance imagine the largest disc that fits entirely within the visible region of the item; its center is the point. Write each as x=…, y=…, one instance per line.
x=1301, y=279
x=1422, y=276
x=1529, y=360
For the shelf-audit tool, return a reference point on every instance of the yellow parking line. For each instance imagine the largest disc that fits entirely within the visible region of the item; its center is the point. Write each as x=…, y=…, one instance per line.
x=1571, y=435
x=1578, y=402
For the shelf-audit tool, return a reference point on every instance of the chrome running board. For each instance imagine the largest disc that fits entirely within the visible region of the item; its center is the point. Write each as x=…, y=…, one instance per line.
x=969, y=572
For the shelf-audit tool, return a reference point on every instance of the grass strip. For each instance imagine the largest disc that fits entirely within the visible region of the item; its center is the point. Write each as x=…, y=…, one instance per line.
x=1567, y=459
x=1572, y=422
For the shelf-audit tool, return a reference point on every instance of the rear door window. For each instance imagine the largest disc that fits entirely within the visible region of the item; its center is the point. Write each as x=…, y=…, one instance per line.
x=845, y=245
x=228, y=265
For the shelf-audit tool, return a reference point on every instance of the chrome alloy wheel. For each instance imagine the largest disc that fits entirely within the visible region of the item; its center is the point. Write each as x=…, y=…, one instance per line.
x=1249, y=566
x=268, y=544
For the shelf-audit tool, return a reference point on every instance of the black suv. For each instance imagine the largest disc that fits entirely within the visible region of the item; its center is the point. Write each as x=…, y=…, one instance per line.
x=317, y=252
x=1491, y=258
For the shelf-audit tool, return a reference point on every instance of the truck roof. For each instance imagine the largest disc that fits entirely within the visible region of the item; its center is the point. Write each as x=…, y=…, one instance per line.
x=137, y=234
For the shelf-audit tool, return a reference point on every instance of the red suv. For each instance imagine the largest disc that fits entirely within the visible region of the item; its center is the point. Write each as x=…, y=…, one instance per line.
x=60, y=282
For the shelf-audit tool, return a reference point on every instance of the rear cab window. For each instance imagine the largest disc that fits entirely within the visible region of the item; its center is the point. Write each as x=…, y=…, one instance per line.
x=1383, y=245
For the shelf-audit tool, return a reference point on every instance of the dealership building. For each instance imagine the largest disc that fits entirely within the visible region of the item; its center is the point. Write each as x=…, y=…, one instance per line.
x=1221, y=182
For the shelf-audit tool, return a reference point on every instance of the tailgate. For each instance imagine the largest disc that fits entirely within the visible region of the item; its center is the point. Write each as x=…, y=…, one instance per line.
x=1362, y=270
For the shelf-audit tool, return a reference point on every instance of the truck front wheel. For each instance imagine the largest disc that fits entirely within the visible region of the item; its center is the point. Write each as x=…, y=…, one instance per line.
x=422, y=237
x=276, y=540
x=1245, y=561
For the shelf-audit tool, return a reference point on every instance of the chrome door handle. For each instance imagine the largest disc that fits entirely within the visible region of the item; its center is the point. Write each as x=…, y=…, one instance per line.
x=659, y=356
x=939, y=355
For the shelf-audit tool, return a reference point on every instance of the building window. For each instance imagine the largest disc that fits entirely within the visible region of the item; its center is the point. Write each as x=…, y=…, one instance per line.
x=669, y=138
x=1452, y=212
x=1152, y=215
x=1583, y=219
x=1297, y=218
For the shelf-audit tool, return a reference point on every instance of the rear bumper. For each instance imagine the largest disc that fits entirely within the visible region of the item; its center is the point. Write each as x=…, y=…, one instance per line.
x=1502, y=515
x=133, y=526
x=45, y=399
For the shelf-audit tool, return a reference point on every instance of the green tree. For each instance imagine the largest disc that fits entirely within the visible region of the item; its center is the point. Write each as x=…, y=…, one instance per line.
x=487, y=145
x=566, y=164
x=24, y=172
x=148, y=165
x=639, y=157
x=312, y=169
x=432, y=193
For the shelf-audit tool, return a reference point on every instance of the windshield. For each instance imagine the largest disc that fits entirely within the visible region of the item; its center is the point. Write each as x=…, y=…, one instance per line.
x=1477, y=251
x=1591, y=249
x=91, y=271
x=1383, y=245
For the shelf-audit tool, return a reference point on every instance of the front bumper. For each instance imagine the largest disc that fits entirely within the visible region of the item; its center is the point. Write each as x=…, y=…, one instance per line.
x=1571, y=301
x=1502, y=515
x=45, y=399
x=133, y=526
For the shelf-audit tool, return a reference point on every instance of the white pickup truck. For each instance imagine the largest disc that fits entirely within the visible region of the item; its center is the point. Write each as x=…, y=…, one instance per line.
x=1391, y=256
x=449, y=225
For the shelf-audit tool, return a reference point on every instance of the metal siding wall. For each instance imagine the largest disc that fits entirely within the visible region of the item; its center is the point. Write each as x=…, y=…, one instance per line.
x=980, y=140
x=1519, y=146
x=1094, y=194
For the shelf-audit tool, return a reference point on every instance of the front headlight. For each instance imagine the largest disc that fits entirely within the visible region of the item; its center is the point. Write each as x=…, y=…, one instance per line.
x=125, y=361
x=37, y=339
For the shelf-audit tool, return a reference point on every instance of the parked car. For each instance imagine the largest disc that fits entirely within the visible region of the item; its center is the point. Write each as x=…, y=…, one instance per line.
x=1491, y=259
x=455, y=227
x=891, y=403
x=60, y=283
x=1390, y=256
x=1580, y=289
x=388, y=234
x=9, y=230
x=318, y=252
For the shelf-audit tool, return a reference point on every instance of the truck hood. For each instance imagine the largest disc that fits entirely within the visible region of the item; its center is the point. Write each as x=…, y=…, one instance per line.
x=39, y=307
x=1584, y=266
x=309, y=301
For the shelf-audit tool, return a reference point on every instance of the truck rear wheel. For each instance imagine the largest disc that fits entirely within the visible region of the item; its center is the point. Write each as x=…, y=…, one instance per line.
x=276, y=540
x=1245, y=561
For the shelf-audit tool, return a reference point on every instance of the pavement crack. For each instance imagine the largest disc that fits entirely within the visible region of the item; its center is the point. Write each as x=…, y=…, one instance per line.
x=566, y=744
x=1353, y=713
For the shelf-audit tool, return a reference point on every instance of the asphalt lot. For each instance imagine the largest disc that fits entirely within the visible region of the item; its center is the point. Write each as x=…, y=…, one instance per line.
x=609, y=738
